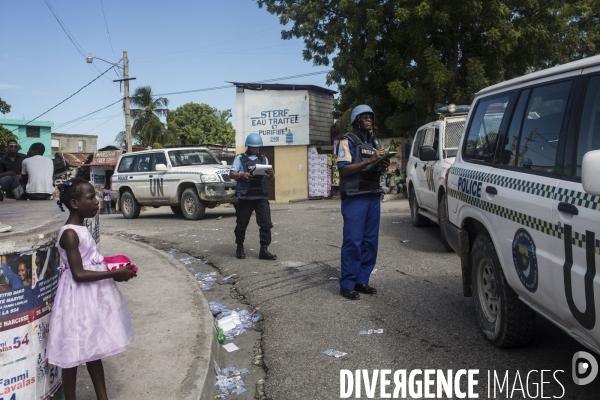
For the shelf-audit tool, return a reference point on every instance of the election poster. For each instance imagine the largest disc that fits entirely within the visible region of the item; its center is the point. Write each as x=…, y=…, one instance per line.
x=28, y=282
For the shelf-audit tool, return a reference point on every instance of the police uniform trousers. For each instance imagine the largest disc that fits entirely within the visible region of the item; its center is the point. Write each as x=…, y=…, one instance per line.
x=243, y=213
x=361, y=238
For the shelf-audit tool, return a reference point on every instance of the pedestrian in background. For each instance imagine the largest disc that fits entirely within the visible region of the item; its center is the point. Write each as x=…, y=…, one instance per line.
x=361, y=202
x=252, y=194
x=107, y=199
x=38, y=171
x=11, y=165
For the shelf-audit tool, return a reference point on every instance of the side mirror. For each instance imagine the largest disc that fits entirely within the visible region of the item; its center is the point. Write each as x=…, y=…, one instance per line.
x=160, y=167
x=223, y=162
x=590, y=172
x=427, y=153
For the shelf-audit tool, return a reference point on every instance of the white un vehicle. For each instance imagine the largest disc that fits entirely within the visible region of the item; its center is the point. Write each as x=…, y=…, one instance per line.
x=523, y=205
x=433, y=152
x=187, y=179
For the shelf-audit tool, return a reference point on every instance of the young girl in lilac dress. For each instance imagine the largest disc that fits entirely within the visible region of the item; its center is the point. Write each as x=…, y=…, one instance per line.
x=89, y=318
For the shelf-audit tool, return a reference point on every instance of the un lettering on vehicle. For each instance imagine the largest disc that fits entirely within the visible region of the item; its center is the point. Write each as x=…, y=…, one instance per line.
x=156, y=187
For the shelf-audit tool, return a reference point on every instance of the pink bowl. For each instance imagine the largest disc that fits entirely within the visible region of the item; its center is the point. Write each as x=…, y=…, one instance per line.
x=118, y=261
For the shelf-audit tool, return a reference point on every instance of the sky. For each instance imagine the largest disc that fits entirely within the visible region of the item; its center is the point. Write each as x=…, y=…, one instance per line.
x=172, y=46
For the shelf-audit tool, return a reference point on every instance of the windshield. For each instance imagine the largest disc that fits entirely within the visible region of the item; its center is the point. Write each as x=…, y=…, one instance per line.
x=192, y=157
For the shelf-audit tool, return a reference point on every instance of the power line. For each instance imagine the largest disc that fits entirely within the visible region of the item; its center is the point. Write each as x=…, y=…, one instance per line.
x=232, y=86
x=71, y=36
x=63, y=124
x=52, y=108
x=65, y=29
x=107, y=31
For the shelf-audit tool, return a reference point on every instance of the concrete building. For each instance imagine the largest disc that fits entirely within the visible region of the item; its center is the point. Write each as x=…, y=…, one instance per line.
x=73, y=143
x=30, y=132
x=290, y=119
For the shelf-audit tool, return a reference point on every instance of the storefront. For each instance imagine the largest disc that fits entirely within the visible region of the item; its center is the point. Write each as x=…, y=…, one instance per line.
x=101, y=169
x=289, y=118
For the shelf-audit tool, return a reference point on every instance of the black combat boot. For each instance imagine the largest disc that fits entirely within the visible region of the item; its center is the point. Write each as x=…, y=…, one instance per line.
x=265, y=255
x=239, y=253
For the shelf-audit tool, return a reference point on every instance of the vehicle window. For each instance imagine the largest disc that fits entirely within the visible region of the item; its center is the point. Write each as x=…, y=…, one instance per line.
x=436, y=140
x=142, y=163
x=481, y=139
x=511, y=140
x=158, y=158
x=539, y=136
x=589, y=128
x=192, y=157
x=418, y=142
x=126, y=164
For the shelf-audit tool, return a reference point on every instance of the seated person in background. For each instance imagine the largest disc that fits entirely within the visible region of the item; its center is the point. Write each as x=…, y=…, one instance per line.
x=38, y=170
x=10, y=170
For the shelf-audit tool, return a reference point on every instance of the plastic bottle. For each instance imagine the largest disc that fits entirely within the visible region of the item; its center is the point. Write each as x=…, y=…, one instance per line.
x=220, y=336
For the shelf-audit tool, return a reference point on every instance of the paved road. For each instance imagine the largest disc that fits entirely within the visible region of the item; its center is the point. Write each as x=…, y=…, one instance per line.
x=427, y=322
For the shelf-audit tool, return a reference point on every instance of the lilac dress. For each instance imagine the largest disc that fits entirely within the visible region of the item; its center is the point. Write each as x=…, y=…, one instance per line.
x=89, y=320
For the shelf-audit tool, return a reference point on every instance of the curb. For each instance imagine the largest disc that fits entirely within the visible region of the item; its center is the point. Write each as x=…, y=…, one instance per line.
x=199, y=381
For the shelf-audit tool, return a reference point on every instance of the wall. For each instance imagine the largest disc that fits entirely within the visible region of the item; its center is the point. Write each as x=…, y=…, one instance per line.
x=24, y=141
x=291, y=177
x=69, y=143
x=321, y=118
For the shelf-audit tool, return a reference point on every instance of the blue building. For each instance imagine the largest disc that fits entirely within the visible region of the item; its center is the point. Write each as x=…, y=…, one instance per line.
x=33, y=132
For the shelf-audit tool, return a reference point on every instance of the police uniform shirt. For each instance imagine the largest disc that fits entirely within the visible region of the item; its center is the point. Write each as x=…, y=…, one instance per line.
x=237, y=165
x=346, y=150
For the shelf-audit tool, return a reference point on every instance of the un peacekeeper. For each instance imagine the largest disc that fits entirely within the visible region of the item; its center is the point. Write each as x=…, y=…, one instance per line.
x=361, y=203
x=251, y=191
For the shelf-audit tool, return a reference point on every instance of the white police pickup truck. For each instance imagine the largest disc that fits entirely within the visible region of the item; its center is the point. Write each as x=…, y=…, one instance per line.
x=524, y=205
x=433, y=151
x=187, y=179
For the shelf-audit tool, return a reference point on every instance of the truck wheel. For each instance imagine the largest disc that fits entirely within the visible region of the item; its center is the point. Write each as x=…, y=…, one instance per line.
x=176, y=210
x=442, y=218
x=416, y=219
x=191, y=206
x=130, y=206
x=504, y=319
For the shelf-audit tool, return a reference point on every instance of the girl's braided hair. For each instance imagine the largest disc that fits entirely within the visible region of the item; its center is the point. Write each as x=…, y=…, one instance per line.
x=69, y=190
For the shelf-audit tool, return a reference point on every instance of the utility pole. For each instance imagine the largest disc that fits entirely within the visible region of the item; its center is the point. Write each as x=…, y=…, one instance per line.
x=89, y=59
x=127, y=104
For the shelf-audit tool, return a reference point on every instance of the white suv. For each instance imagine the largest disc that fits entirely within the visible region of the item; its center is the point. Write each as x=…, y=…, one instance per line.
x=187, y=179
x=524, y=205
x=433, y=151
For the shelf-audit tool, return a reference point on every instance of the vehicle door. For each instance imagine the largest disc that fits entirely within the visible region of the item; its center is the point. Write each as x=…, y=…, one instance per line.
x=519, y=192
x=121, y=176
x=139, y=178
x=577, y=221
x=159, y=184
x=424, y=172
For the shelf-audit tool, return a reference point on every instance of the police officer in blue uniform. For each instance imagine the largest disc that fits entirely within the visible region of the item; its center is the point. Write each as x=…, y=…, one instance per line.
x=361, y=203
x=251, y=191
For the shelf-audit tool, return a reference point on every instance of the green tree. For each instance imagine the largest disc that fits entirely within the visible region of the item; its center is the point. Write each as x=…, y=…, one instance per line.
x=5, y=134
x=197, y=123
x=407, y=57
x=4, y=107
x=147, y=128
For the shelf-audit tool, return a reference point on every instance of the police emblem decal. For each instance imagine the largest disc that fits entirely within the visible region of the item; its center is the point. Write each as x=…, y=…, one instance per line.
x=525, y=259
x=341, y=153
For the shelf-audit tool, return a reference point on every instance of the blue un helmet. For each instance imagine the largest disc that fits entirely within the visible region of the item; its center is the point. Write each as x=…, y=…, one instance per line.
x=254, y=140
x=362, y=109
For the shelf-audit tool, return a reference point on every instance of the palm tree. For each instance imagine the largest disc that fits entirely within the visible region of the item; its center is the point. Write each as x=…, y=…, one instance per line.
x=147, y=127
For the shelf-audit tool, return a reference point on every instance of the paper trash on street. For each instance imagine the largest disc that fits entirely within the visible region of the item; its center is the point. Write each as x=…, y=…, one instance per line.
x=230, y=347
x=334, y=353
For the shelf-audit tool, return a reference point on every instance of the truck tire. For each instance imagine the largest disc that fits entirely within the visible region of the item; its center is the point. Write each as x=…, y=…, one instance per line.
x=130, y=206
x=442, y=218
x=417, y=219
x=504, y=319
x=192, y=207
x=176, y=210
